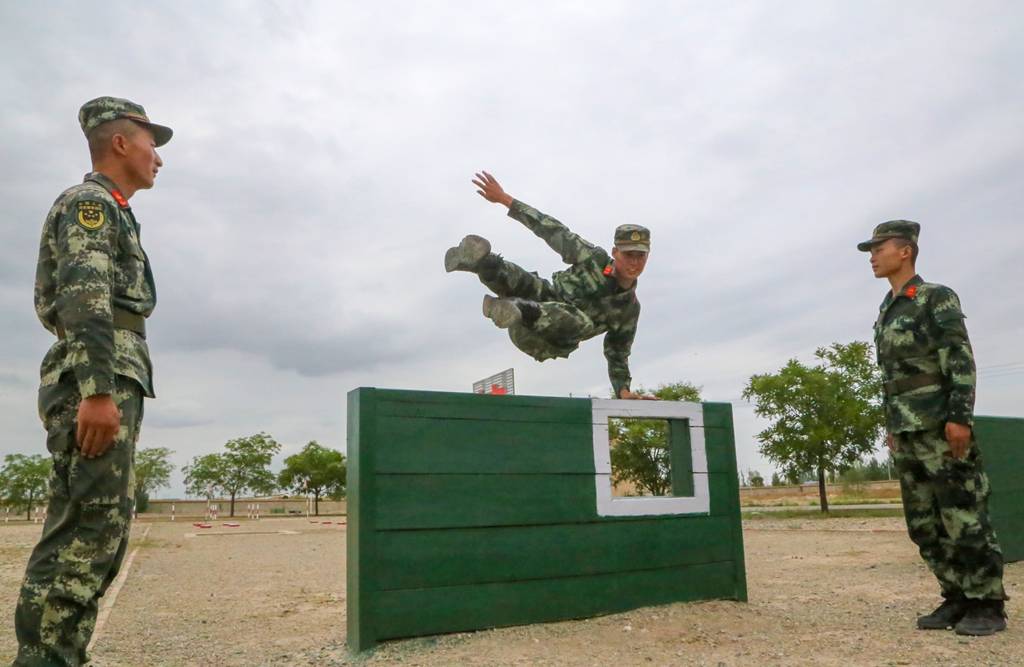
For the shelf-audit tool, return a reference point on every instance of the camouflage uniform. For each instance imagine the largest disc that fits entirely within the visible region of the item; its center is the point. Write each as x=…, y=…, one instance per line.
x=929, y=376
x=578, y=303
x=94, y=289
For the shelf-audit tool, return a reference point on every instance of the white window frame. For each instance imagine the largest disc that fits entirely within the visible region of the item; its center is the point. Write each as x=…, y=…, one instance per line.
x=604, y=409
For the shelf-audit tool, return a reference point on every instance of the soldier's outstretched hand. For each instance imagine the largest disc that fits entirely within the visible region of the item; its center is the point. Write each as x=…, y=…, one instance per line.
x=633, y=396
x=490, y=189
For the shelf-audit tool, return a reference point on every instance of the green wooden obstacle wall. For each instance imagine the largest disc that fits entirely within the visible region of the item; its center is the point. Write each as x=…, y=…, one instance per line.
x=475, y=511
x=1001, y=440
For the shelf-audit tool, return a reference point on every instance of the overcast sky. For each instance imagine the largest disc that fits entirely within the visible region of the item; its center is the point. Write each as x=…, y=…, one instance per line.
x=321, y=162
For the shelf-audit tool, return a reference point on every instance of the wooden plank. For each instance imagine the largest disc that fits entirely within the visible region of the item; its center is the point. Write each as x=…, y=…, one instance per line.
x=725, y=495
x=432, y=558
x=438, y=405
x=680, y=457
x=426, y=445
x=460, y=501
x=414, y=612
x=449, y=398
x=453, y=501
x=720, y=439
x=361, y=634
x=718, y=415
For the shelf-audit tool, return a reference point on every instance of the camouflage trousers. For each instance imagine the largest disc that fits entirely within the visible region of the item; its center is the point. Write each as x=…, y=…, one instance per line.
x=945, y=501
x=559, y=328
x=86, y=530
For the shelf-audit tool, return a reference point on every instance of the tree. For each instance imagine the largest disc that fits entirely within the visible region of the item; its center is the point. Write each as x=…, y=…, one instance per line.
x=23, y=479
x=776, y=480
x=245, y=466
x=756, y=479
x=640, y=453
x=824, y=417
x=152, y=472
x=315, y=470
x=204, y=476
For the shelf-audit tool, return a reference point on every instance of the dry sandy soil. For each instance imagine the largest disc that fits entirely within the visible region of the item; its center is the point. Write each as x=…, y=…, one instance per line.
x=822, y=592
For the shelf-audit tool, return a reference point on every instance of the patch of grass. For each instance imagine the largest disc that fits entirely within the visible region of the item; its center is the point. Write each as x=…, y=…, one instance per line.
x=836, y=513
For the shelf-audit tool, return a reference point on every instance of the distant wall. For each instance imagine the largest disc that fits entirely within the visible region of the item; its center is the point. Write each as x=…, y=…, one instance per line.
x=882, y=489
x=193, y=507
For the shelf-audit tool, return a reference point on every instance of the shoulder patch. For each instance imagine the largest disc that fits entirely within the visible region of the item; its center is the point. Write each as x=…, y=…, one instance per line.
x=90, y=214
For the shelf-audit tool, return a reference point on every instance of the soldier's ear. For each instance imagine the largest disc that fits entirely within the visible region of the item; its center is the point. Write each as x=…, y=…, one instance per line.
x=119, y=144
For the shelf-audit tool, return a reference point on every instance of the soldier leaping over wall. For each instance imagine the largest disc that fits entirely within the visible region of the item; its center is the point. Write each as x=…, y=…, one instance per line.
x=549, y=318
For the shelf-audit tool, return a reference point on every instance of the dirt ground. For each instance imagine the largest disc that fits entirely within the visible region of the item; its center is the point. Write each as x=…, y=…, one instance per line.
x=822, y=592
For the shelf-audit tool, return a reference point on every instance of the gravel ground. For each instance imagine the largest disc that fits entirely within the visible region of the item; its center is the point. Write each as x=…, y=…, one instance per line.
x=822, y=592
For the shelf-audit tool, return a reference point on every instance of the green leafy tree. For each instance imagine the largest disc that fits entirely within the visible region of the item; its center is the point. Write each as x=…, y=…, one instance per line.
x=756, y=479
x=823, y=417
x=152, y=472
x=776, y=480
x=315, y=471
x=640, y=453
x=204, y=476
x=244, y=466
x=23, y=480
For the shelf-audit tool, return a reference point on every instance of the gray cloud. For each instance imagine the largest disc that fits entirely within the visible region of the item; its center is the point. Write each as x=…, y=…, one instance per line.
x=321, y=166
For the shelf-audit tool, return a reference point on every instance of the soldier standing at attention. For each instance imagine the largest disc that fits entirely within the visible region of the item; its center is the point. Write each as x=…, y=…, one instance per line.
x=548, y=319
x=94, y=290
x=928, y=372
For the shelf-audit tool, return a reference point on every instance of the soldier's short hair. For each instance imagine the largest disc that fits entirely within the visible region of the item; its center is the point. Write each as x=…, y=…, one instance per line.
x=99, y=137
x=913, y=248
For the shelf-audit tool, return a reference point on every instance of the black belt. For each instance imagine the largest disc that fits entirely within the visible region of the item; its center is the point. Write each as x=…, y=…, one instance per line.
x=123, y=319
x=901, y=385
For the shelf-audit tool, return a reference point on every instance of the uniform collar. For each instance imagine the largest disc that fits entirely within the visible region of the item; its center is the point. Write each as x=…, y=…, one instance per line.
x=109, y=186
x=909, y=291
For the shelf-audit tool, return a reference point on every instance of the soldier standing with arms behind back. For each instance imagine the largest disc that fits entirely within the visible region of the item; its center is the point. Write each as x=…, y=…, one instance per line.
x=94, y=290
x=929, y=376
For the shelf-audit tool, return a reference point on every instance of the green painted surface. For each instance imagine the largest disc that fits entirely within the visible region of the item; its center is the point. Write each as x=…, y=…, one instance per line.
x=1002, y=446
x=468, y=512
x=435, y=445
x=425, y=558
x=681, y=457
x=423, y=611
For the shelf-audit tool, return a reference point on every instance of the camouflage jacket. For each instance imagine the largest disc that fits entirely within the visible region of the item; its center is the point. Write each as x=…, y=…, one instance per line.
x=588, y=285
x=91, y=264
x=926, y=358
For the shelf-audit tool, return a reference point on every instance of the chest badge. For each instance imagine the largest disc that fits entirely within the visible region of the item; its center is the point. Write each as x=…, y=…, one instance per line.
x=90, y=215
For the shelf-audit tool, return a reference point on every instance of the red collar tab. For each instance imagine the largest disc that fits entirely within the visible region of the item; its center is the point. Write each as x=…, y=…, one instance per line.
x=119, y=198
x=607, y=270
x=910, y=292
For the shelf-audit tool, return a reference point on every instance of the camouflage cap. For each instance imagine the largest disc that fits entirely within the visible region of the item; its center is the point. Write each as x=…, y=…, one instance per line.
x=103, y=109
x=894, y=229
x=632, y=237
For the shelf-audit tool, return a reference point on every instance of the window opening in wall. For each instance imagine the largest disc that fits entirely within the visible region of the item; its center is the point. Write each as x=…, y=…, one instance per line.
x=650, y=457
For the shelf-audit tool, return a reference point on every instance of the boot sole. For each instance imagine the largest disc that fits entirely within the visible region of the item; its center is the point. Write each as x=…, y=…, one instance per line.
x=466, y=255
x=503, y=313
x=980, y=633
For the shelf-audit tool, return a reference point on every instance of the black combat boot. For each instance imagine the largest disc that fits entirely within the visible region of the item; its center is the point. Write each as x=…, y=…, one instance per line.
x=947, y=615
x=983, y=617
x=468, y=255
x=503, y=312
